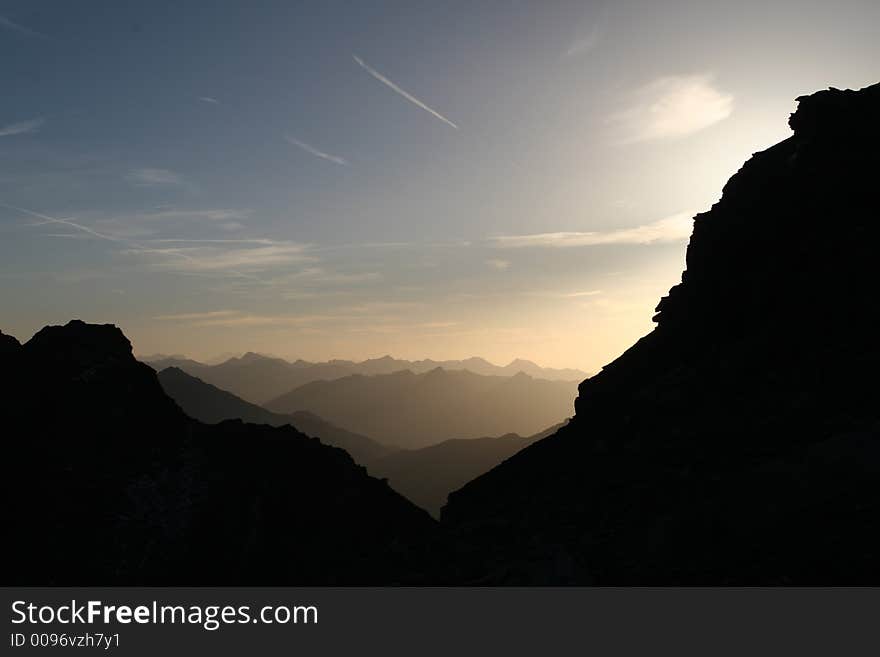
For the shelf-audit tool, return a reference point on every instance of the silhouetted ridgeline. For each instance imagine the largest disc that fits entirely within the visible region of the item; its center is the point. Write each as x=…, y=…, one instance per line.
x=108, y=482
x=260, y=379
x=738, y=442
x=211, y=405
x=425, y=476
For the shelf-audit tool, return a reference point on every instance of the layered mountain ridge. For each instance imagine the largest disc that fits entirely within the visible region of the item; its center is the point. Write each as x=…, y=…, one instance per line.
x=424, y=476
x=260, y=379
x=110, y=483
x=737, y=443
x=416, y=410
x=211, y=405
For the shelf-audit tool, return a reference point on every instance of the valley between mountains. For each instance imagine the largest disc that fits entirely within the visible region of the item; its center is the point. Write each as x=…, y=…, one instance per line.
x=737, y=443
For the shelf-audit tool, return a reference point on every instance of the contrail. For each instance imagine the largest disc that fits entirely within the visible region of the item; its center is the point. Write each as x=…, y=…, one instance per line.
x=46, y=219
x=388, y=83
x=21, y=128
x=21, y=29
x=314, y=151
x=131, y=244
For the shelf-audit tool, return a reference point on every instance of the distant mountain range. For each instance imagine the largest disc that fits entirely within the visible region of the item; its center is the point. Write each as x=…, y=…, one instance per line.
x=425, y=476
x=259, y=379
x=415, y=410
x=114, y=484
x=736, y=444
x=209, y=404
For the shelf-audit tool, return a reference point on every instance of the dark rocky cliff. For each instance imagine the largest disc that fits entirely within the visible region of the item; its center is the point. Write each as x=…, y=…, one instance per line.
x=739, y=442
x=108, y=482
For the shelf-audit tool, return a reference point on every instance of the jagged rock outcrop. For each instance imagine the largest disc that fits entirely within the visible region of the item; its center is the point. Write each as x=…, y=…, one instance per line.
x=739, y=442
x=108, y=482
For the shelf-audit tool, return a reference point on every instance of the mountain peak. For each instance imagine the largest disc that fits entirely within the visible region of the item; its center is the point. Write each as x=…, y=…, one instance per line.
x=834, y=111
x=78, y=344
x=139, y=492
x=252, y=357
x=776, y=208
x=8, y=344
x=522, y=362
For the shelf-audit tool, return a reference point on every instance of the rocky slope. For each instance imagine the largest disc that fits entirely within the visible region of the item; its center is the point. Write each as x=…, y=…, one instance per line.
x=739, y=442
x=110, y=483
x=426, y=476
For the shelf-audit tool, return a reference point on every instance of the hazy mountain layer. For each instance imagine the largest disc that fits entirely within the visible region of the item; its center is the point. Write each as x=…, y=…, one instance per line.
x=739, y=442
x=426, y=476
x=260, y=379
x=211, y=405
x=114, y=484
x=415, y=410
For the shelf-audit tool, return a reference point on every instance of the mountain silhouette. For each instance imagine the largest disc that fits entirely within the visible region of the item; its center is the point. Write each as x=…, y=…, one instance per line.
x=114, y=484
x=739, y=442
x=8, y=345
x=415, y=410
x=427, y=475
x=210, y=404
x=424, y=476
x=260, y=379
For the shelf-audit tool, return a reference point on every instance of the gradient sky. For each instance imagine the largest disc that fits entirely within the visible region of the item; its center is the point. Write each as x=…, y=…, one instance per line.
x=425, y=179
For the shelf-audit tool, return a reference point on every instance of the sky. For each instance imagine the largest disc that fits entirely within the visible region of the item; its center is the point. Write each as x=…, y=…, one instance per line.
x=421, y=179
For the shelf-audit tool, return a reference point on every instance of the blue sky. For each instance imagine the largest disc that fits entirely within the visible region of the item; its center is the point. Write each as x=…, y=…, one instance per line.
x=504, y=179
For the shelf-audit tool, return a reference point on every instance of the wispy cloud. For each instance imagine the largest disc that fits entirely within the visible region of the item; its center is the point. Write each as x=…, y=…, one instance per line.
x=586, y=293
x=21, y=128
x=187, y=240
x=367, y=245
x=7, y=24
x=209, y=99
x=46, y=219
x=69, y=236
x=322, y=275
x=585, y=42
x=227, y=219
x=499, y=264
x=186, y=261
x=670, y=229
x=185, y=317
x=149, y=176
x=316, y=152
x=230, y=256
x=391, y=85
x=672, y=106
x=234, y=318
